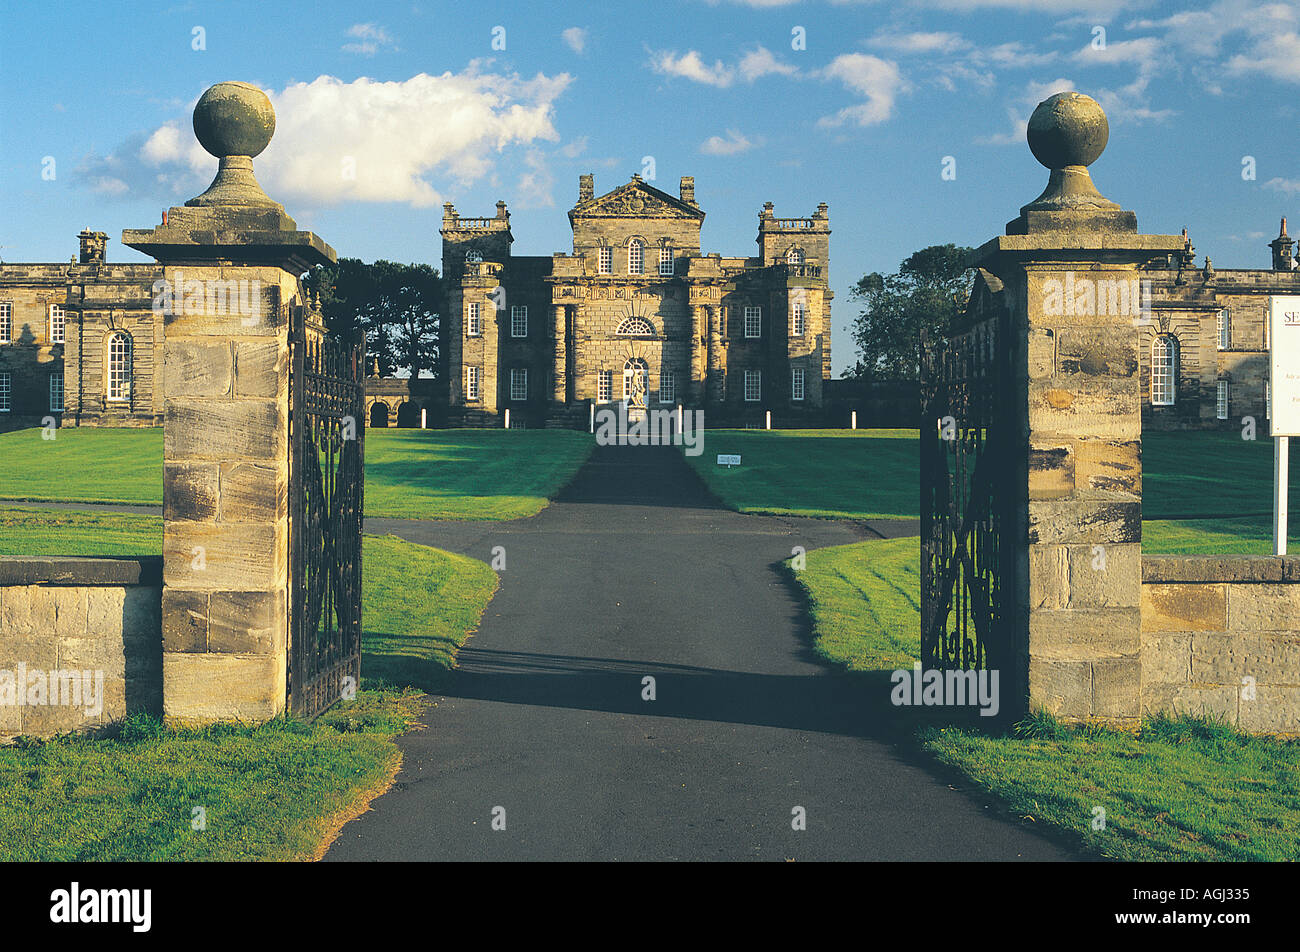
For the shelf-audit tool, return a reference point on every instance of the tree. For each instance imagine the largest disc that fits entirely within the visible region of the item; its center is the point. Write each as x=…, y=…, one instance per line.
x=396, y=307
x=929, y=292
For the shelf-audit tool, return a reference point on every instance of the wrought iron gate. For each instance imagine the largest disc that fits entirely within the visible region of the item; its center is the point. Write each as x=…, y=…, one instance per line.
x=326, y=455
x=967, y=579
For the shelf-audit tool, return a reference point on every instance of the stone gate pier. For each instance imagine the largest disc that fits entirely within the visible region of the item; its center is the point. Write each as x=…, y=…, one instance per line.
x=232, y=259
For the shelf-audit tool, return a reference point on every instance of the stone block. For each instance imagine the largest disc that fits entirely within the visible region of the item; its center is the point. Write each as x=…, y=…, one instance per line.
x=1264, y=607
x=1082, y=407
x=198, y=368
x=32, y=651
x=184, y=620
x=223, y=557
x=1117, y=687
x=1104, y=576
x=1049, y=576
x=202, y=688
x=1187, y=606
x=254, y=492
x=1051, y=470
x=1166, y=657
x=42, y=611
x=1213, y=568
x=198, y=429
x=247, y=622
x=1063, y=688
x=1219, y=700
x=262, y=368
x=99, y=705
x=1094, y=351
x=1084, y=634
x=1275, y=710
x=1113, y=465
x=1225, y=658
x=1109, y=517
x=190, y=491
x=105, y=612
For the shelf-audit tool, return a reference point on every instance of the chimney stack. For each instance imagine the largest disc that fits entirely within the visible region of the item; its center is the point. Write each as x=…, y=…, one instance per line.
x=1281, y=245
x=94, y=245
x=586, y=187
x=687, y=189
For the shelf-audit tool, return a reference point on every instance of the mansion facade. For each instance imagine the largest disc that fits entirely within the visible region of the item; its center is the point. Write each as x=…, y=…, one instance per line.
x=637, y=313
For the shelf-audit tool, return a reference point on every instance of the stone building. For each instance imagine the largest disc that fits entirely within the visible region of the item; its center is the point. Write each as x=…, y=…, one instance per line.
x=1206, y=338
x=636, y=312
x=78, y=341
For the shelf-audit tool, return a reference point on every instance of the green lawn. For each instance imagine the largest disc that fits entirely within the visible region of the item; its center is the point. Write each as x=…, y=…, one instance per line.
x=277, y=791
x=836, y=474
x=419, y=474
x=30, y=530
x=1180, y=789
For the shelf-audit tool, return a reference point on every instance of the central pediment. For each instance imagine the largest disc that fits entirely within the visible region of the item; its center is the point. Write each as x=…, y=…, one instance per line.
x=636, y=199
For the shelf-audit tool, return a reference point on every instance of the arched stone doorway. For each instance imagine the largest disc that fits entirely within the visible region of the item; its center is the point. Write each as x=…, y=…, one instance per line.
x=408, y=414
x=379, y=414
x=636, y=387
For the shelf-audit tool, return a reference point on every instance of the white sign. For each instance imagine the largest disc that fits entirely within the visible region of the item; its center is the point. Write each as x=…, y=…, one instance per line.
x=724, y=460
x=1284, y=366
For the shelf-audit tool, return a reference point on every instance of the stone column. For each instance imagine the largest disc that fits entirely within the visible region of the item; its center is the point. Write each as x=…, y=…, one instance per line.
x=717, y=321
x=559, y=374
x=231, y=260
x=698, y=354
x=1070, y=268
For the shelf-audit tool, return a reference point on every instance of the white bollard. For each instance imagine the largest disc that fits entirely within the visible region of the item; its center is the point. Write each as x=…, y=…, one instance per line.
x=593, y=417
x=855, y=419
x=424, y=418
x=769, y=420
x=507, y=419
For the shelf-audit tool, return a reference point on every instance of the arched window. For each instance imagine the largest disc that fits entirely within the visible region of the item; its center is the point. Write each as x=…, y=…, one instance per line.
x=473, y=256
x=794, y=256
x=635, y=257
x=635, y=327
x=119, y=367
x=1164, y=370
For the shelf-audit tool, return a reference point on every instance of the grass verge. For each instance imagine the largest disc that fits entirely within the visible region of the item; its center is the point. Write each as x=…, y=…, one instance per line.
x=1178, y=789
x=275, y=791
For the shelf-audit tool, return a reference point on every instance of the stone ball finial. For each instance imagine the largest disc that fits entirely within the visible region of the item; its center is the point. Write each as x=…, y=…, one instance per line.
x=234, y=118
x=1068, y=129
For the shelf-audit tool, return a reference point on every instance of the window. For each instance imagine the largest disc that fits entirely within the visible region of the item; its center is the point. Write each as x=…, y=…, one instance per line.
x=4, y=393
x=604, y=386
x=6, y=322
x=473, y=321
x=57, y=321
x=794, y=256
x=796, y=383
x=519, y=383
x=635, y=257
x=1225, y=329
x=665, y=259
x=1164, y=370
x=119, y=367
x=473, y=257
x=606, y=260
x=56, y=392
x=471, y=383
x=800, y=318
x=636, y=327
x=1222, y=401
x=667, y=387
x=519, y=320
x=753, y=385
x=753, y=321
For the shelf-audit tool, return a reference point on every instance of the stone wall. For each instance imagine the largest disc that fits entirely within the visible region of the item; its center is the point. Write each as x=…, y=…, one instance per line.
x=97, y=617
x=1221, y=637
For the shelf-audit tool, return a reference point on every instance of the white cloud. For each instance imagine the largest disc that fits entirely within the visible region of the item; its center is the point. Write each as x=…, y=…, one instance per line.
x=908, y=43
x=1287, y=187
x=370, y=37
x=733, y=144
x=534, y=188
x=760, y=62
x=691, y=66
x=1277, y=56
x=575, y=148
x=407, y=140
x=1018, y=113
x=576, y=38
x=877, y=79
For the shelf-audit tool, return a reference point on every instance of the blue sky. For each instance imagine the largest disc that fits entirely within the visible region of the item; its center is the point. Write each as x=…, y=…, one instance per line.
x=414, y=100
